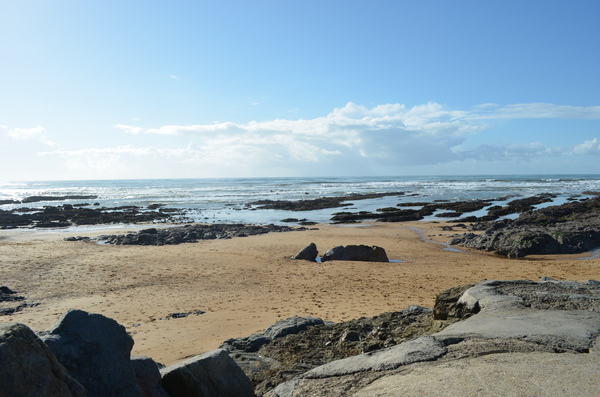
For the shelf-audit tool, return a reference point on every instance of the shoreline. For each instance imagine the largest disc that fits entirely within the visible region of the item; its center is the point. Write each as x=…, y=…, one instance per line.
x=246, y=284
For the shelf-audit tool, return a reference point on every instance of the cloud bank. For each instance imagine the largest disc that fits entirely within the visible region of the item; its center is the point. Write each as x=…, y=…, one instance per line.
x=352, y=139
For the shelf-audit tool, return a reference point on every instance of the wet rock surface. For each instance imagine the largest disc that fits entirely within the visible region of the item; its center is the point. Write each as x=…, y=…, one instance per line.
x=450, y=210
x=75, y=215
x=566, y=229
x=319, y=203
x=192, y=233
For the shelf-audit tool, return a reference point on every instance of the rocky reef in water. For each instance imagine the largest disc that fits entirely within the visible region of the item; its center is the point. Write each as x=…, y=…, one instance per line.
x=81, y=214
x=570, y=228
x=318, y=203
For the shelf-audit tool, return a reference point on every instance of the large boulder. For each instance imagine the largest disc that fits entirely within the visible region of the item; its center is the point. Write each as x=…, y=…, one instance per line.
x=212, y=374
x=29, y=368
x=356, y=253
x=96, y=351
x=309, y=253
x=147, y=375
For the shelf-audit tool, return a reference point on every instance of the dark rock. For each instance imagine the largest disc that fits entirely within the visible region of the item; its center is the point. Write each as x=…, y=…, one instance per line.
x=309, y=253
x=147, y=375
x=68, y=215
x=447, y=307
x=213, y=374
x=96, y=351
x=356, y=253
x=281, y=328
x=570, y=228
x=34, y=199
x=78, y=238
x=183, y=315
x=29, y=368
x=193, y=233
x=401, y=215
x=520, y=205
x=290, y=356
x=12, y=310
x=8, y=295
x=291, y=325
x=319, y=203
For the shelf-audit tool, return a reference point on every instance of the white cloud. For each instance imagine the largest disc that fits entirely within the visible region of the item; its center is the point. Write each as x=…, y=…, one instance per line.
x=352, y=139
x=354, y=135
x=588, y=147
x=27, y=133
x=37, y=133
x=129, y=129
x=534, y=111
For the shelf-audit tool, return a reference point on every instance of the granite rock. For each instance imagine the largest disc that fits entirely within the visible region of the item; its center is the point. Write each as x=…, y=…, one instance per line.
x=96, y=351
x=29, y=368
x=213, y=374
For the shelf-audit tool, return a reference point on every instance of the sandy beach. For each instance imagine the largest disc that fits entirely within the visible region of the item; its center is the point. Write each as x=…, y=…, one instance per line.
x=245, y=284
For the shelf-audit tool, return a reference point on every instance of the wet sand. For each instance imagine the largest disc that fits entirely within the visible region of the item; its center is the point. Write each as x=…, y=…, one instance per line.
x=245, y=284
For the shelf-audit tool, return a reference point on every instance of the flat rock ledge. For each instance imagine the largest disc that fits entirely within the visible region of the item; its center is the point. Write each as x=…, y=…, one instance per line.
x=523, y=338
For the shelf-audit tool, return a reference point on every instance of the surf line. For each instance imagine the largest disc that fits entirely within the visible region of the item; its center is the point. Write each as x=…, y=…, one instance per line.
x=421, y=234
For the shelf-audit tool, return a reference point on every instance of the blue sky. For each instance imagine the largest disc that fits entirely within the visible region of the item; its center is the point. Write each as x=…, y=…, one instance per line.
x=178, y=89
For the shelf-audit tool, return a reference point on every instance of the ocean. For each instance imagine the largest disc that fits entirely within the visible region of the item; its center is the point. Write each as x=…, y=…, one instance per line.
x=226, y=200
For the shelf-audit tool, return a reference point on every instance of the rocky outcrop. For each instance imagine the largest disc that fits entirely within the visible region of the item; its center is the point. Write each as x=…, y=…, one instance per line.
x=95, y=350
x=192, y=233
x=517, y=326
x=286, y=357
x=566, y=229
x=253, y=343
x=213, y=374
x=29, y=368
x=356, y=253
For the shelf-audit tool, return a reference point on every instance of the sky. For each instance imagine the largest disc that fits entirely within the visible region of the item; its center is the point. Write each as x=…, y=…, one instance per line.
x=200, y=89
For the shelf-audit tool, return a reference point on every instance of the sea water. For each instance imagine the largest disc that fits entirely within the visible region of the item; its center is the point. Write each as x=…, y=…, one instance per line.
x=229, y=199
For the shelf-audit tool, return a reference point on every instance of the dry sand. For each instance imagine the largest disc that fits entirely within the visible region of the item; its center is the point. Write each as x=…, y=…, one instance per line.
x=244, y=284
